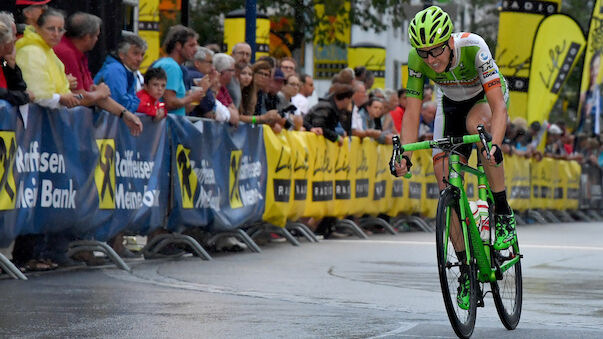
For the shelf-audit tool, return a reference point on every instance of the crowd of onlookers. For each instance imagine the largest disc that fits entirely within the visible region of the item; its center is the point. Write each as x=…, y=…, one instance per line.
x=43, y=60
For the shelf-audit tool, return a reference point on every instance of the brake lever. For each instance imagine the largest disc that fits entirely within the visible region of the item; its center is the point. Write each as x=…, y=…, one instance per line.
x=485, y=137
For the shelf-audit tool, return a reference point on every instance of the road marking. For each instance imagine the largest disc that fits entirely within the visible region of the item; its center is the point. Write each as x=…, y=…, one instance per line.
x=405, y=327
x=432, y=243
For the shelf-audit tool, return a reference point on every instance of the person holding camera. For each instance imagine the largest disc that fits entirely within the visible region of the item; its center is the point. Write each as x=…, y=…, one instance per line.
x=286, y=108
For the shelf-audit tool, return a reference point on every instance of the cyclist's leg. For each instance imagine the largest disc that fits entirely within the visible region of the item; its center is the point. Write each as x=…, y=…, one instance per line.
x=504, y=221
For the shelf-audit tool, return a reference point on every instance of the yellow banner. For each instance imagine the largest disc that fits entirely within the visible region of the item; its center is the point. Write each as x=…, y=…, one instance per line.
x=573, y=174
x=372, y=57
x=148, y=29
x=517, y=180
x=234, y=32
x=558, y=45
x=592, y=73
x=333, y=27
x=516, y=30
x=343, y=179
x=300, y=155
x=360, y=177
x=278, y=183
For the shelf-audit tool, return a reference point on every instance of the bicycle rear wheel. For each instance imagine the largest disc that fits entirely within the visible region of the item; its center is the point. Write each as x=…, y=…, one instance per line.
x=508, y=292
x=449, y=269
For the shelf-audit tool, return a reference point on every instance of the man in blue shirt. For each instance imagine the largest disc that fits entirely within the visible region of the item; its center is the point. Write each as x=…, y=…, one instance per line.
x=180, y=44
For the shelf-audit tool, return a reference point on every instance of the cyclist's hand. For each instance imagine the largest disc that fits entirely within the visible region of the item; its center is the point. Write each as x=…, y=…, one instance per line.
x=496, y=155
x=401, y=167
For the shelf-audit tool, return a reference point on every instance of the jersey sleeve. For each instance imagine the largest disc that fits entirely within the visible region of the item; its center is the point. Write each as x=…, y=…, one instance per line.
x=486, y=67
x=414, y=87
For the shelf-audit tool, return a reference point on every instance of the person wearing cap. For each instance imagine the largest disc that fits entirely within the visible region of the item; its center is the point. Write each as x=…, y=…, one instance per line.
x=28, y=12
x=276, y=84
x=553, y=147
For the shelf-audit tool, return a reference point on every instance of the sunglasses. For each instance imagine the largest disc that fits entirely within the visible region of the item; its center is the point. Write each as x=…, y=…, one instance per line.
x=434, y=52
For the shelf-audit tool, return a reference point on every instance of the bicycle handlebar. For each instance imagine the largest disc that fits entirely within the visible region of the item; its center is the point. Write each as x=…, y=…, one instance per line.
x=445, y=144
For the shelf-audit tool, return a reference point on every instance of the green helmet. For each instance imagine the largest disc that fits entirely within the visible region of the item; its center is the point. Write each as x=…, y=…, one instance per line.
x=429, y=27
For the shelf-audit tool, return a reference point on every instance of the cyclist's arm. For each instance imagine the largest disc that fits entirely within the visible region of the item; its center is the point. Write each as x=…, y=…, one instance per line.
x=410, y=121
x=499, y=115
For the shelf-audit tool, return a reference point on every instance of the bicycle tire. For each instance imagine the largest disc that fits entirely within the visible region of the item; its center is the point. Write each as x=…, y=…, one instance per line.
x=462, y=321
x=508, y=292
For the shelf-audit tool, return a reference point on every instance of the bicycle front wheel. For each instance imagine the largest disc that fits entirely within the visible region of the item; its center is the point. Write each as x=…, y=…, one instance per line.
x=508, y=291
x=449, y=268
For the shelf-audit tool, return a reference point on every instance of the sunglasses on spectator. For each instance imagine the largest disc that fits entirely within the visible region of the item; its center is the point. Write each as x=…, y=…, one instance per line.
x=434, y=52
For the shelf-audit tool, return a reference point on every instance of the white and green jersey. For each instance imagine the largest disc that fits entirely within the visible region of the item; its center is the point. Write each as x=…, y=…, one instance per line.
x=473, y=70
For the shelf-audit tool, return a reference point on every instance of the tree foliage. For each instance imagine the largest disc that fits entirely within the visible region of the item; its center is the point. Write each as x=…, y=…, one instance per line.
x=306, y=25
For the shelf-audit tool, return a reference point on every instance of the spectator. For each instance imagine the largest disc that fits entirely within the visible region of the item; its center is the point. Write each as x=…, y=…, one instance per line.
x=241, y=53
x=372, y=123
x=398, y=113
x=224, y=64
x=42, y=70
x=180, y=44
x=288, y=66
x=289, y=90
x=215, y=48
x=427, y=93
x=305, y=91
x=428, y=113
x=82, y=34
x=248, y=89
x=203, y=72
x=155, y=81
x=276, y=84
x=12, y=86
x=28, y=12
x=250, y=97
x=118, y=71
x=553, y=147
x=359, y=99
x=391, y=100
x=331, y=113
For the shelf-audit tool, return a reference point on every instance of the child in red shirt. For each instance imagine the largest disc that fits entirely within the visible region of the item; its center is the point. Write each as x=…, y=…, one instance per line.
x=155, y=80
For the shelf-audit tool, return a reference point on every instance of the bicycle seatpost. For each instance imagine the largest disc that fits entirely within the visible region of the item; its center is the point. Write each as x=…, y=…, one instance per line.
x=485, y=137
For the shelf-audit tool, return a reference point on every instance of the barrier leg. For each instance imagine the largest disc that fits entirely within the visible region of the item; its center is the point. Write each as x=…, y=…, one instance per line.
x=420, y=223
x=283, y=231
x=536, y=216
x=350, y=225
x=401, y=224
x=376, y=221
x=303, y=230
x=247, y=240
x=10, y=269
x=594, y=215
x=580, y=215
x=93, y=245
x=564, y=216
x=151, y=250
x=519, y=219
x=550, y=216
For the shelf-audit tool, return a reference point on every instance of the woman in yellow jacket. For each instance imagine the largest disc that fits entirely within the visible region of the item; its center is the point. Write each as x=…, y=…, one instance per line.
x=45, y=75
x=42, y=70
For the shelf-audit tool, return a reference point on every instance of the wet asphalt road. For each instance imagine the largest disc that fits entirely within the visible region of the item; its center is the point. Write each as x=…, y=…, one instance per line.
x=383, y=287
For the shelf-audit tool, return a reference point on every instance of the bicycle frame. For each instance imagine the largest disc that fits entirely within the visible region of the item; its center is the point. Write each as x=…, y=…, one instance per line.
x=488, y=270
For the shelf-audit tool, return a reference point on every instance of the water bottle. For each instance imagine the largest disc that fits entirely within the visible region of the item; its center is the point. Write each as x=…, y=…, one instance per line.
x=475, y=213
x=479, y=209
x=484, y=225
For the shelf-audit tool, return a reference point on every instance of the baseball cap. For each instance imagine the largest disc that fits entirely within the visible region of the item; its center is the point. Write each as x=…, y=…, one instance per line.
x=278, y=74
x=554, y=129
x=31, y=2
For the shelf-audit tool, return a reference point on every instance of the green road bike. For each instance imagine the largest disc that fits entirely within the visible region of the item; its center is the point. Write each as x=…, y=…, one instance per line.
x=501, y=269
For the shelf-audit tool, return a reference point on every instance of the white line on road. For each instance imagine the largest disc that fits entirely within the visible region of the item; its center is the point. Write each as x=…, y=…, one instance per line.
x=432, y=243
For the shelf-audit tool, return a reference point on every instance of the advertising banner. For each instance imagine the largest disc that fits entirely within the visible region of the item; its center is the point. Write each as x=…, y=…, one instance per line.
x=218, y=175
x=330, y=38
x=591, y=99
x=278, y=184
x=234, y=32
x=300, y=159
x=557, y=47
x=372, y=57
x=517, y=26
x=517, y=180
x=148, y=29
x=343, y=180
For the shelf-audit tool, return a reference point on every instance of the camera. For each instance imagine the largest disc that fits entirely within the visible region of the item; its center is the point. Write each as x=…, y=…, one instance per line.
x=285, y=112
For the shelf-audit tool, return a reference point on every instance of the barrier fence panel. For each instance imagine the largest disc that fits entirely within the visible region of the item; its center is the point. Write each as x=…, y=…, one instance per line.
x=82, y=172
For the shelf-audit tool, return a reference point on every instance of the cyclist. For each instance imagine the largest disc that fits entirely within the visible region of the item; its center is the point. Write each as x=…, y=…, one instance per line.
x=470, y=91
